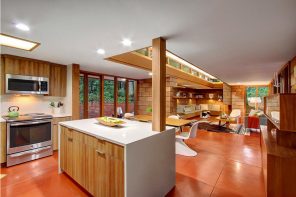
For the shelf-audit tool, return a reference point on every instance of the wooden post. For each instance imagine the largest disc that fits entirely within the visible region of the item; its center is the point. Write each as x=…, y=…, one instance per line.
x=158, y=84
x=75, y=91
x=136, y=97
x=115, y=95
x=126, y=96
x=102, y=97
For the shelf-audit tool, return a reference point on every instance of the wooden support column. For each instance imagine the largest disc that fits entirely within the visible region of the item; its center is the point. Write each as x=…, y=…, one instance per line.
x=126, y=96
x=75, y=91
x=158, y=84
x=136, y=97
x=115, y=95
x=102, y=97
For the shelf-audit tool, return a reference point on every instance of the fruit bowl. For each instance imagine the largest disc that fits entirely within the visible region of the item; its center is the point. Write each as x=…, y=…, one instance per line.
x=110, y=121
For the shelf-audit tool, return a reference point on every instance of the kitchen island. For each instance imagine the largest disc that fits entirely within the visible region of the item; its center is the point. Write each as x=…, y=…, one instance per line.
x=129, y=160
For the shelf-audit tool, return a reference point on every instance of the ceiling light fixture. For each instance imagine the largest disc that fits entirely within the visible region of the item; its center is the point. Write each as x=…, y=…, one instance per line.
x=19, y=43
x=101, y=51
x=22, y=27
x=126, y=42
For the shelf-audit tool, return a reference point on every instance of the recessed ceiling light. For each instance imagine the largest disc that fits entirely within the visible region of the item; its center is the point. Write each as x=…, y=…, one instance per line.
x=150, y=73
x=22, y=27
x=126, y=42
x=101, y=51
x=19, y=43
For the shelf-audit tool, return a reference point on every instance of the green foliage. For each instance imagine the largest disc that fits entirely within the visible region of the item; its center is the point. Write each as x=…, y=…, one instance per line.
x=251, y=92
x=94, y=91
x=262, y=91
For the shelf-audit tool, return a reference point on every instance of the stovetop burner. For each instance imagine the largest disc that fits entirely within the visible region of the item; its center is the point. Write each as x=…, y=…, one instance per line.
x=29, y=116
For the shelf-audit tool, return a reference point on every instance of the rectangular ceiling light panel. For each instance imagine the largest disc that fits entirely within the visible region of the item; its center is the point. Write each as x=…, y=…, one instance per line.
x=19, y=43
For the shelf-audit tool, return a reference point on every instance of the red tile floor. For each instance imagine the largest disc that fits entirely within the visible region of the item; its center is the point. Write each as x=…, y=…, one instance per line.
x=226, y=165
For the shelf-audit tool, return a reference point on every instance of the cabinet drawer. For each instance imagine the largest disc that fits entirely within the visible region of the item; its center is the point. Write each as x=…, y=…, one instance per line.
x=97, y=144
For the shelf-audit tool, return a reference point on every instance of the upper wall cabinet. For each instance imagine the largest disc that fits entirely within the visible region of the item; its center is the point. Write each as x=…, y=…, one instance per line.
x=58, y=80
x=56, y=73
x=24, y=66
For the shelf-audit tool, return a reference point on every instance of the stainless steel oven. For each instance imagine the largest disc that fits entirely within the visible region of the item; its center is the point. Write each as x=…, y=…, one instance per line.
x=28, y=140
x=20, y=84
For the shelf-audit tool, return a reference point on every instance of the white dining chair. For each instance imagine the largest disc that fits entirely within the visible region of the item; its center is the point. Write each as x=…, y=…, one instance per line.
x=181, y=146
x=235, y=114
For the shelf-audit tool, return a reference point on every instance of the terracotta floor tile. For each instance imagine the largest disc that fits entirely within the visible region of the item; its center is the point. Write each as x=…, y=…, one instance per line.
x=218, y=192
x=188, y=187
x=204, y=167
x=243, y=179
x=226, y=165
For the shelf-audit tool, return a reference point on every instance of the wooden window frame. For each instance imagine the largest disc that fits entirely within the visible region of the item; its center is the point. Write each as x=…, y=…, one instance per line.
x=101, y=76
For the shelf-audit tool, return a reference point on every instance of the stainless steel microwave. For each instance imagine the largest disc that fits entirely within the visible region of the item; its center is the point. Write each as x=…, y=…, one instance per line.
x=20, y=84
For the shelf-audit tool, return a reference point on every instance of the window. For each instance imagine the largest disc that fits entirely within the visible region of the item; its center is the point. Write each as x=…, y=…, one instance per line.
x=90, y=90
x=131, y=96
x=121, y=95
x=108, y=96
x=255, y=92
x=81, y=96
x=93, y=96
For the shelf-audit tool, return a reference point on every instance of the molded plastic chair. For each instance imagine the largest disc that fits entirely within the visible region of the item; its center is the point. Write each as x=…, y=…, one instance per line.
x=181, y=147
x=235, y=114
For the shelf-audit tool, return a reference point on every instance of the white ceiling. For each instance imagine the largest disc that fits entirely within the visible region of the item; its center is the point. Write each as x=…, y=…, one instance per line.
x=237, y=41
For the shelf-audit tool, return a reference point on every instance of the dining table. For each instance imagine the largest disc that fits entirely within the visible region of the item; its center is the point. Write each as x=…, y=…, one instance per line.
x=169, y=121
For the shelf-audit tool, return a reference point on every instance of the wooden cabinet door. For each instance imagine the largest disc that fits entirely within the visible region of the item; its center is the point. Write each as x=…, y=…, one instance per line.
x=78, y=157
x=25, y=66
x=58, y=80
x=55, y=136
x=101, y=168
x=3, y=142
x=114, y=170
x=67, y=151
x=55, y=133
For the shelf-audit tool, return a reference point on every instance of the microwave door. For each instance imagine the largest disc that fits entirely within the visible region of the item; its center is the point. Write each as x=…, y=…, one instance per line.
x=22, y=86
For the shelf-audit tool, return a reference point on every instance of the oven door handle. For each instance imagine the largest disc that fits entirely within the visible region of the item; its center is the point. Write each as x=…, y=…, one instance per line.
x=30, y=152
x=29, y=123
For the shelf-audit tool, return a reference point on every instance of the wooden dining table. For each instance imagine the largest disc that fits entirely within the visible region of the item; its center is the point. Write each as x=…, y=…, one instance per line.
x=169, y=121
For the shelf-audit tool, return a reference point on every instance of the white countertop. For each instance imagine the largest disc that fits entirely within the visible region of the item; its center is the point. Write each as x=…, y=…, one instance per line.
x=129, y=132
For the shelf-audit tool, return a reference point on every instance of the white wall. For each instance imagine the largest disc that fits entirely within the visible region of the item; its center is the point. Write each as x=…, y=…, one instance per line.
x=38, y=103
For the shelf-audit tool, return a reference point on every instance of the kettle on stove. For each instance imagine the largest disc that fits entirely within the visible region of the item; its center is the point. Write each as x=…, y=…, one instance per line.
x=13, y=111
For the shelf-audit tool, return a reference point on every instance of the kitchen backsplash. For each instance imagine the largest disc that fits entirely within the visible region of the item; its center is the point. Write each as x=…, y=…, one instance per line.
x=31, y=103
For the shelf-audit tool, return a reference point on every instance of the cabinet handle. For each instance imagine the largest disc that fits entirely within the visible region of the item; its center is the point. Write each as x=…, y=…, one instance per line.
x=70, y=139
x=100, y=152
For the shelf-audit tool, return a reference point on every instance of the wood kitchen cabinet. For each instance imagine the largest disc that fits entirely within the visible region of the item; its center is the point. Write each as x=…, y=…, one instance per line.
x=25, y=66
x=97, y=165
x=3, y=142
x=55, y=127
x=56, y=73
x=58, y=80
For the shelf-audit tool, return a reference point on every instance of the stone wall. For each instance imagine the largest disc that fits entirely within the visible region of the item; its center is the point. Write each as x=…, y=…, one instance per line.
x=238, y=96
x=145, y=96
x=226, y=94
